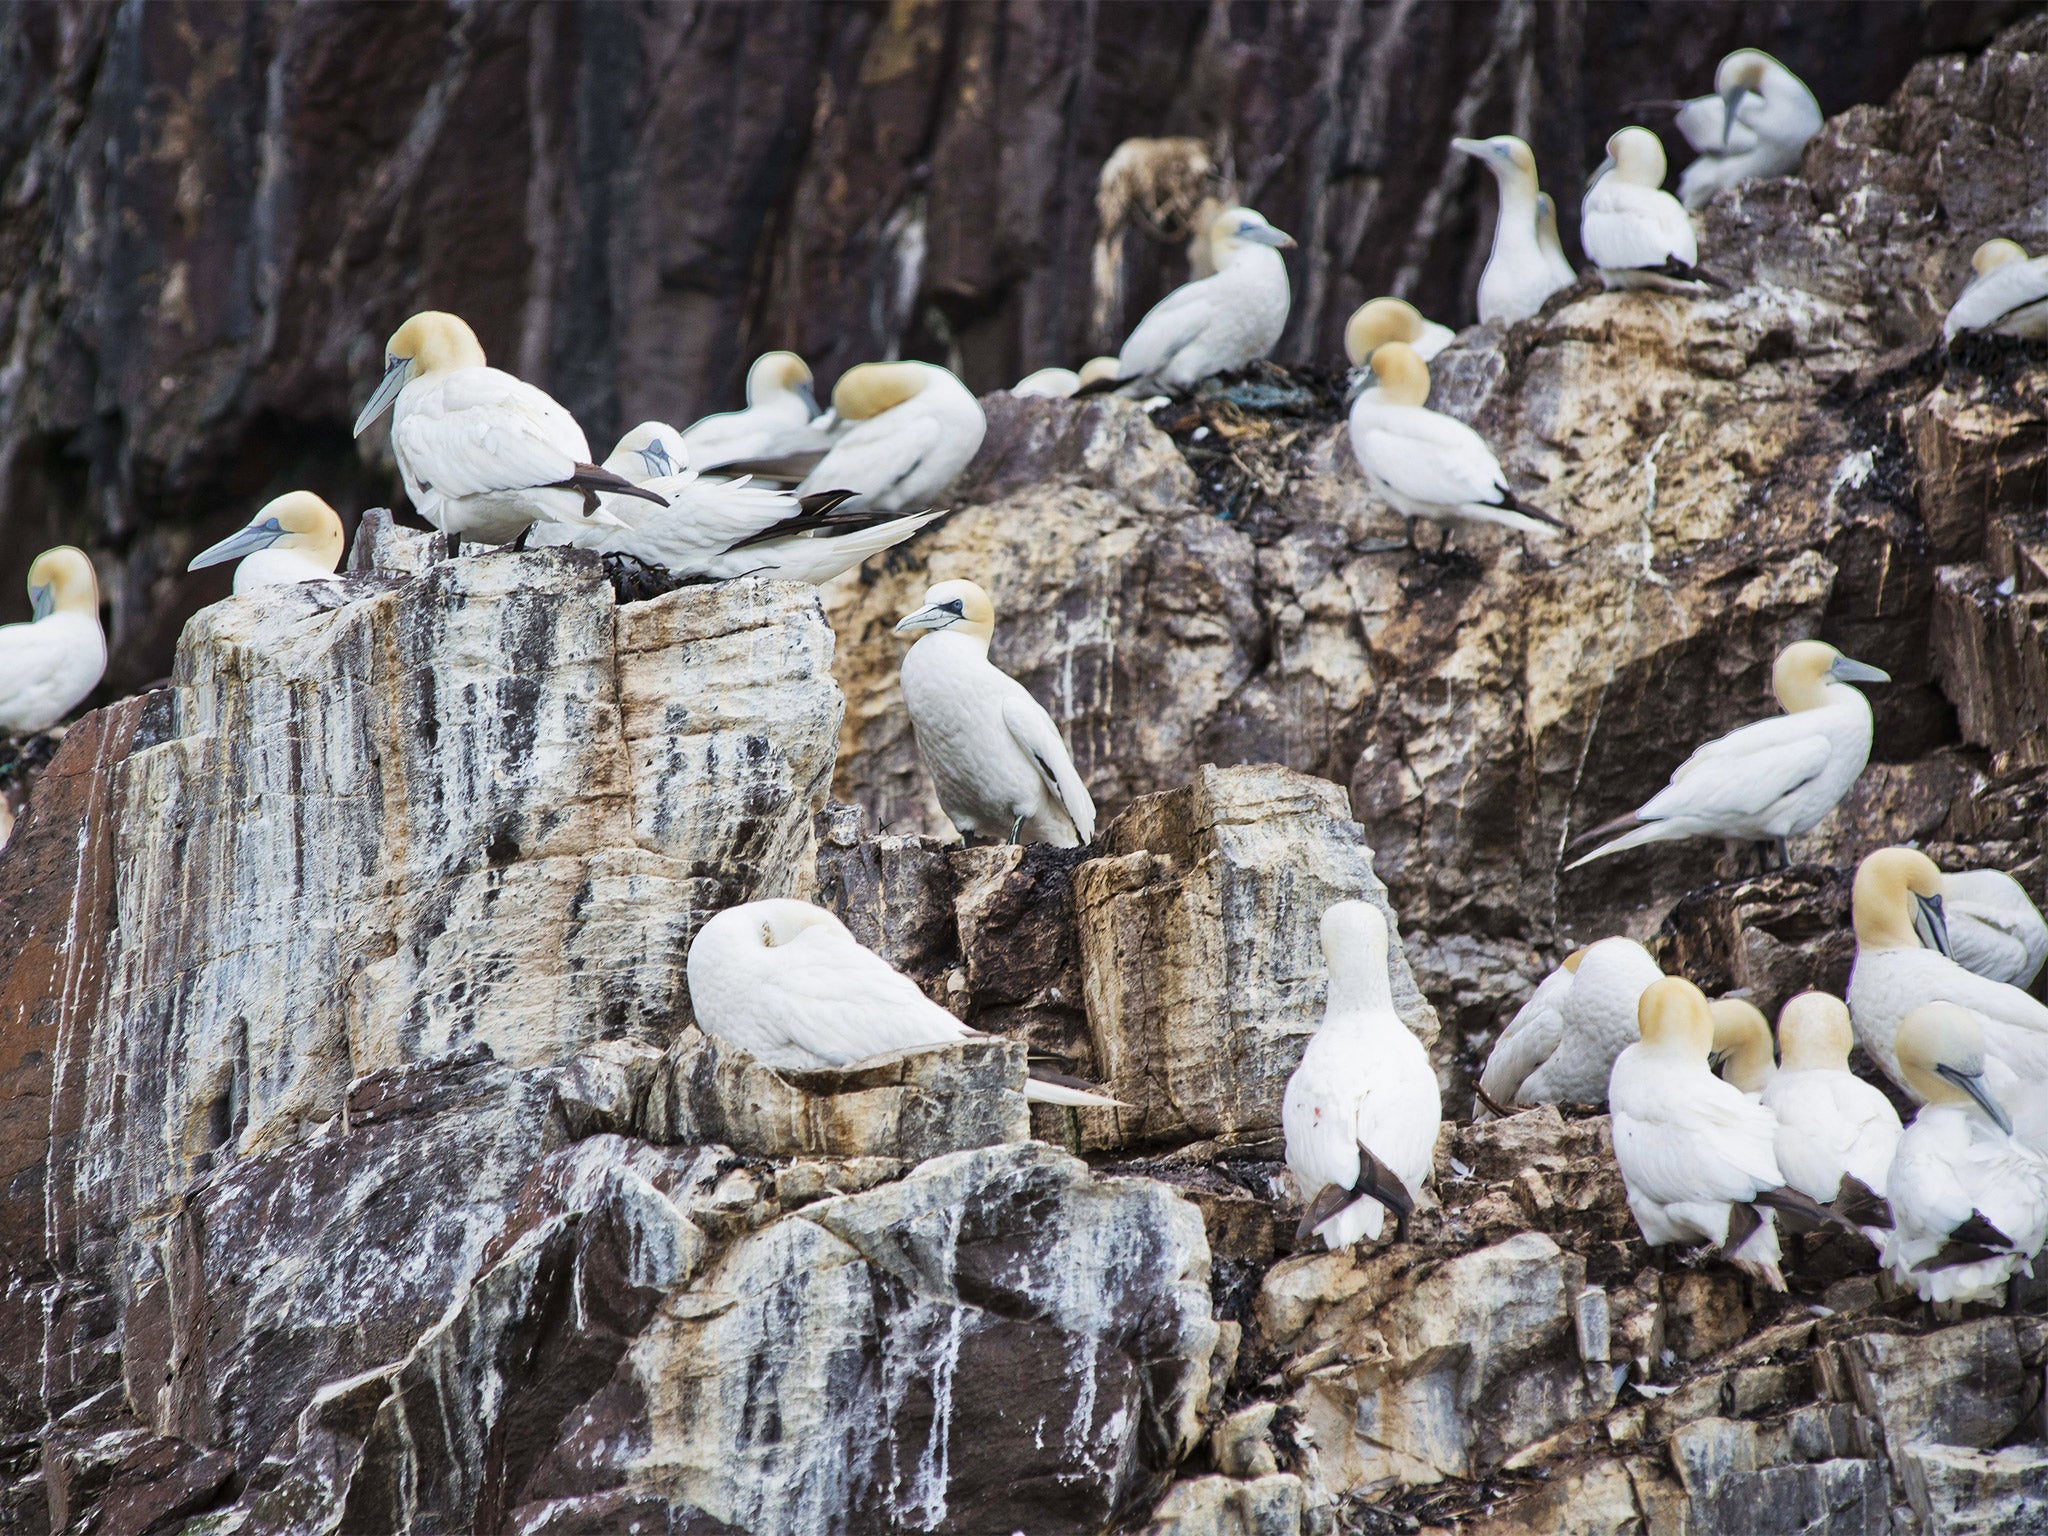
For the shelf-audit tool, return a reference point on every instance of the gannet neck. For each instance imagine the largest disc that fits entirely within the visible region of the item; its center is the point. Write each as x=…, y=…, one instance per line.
x=1355, y=949
x=868, y=389
x=1403, y=375
x=1883, y=900
x=1675, y=1021
x=1547, y=238
x=1742, y=1041
x=1814, y=1034
x=1576, y=958
x=1940, y=1049
x=62, y=581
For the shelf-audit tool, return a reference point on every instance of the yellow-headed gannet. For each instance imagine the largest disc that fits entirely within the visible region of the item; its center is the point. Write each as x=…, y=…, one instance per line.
x=1969, y=1203
x=651, y=451
x=1836, y=1133
x=1529, y=1040
x=1425, y=464
x=781, y=419
x=295, y=538
x=484, y=455
x=1518, y=275
x=1361, y=1111
x=994, y=754
x=2007, y=296
x=1552, y=243
x=914, y=428
x=1994, y=928
x=1215, y=323
x=1771, y=780
x=787, y=983
x=1742, y=1052
x=1635, y=232
x=1755, y=124
x=49, y=665
x=1596, y=1018
x=1378, y=321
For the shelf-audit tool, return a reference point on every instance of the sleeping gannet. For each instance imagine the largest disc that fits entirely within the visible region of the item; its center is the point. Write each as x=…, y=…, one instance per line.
x=1755, y=124
x=1771, y=780
x=1969, y=1202
x=1518, y=275
x=651, y=451
x=1216, y=323
x=49, y=665
x=1529, y=1040
x=1596, y=1020
x=1551, y=243
x=994, y=754
x=1994, y=928
x=2008, y=295
x=1061, y=383
x=787, y=983
x=1832, y=1125
x=296, y=537
x=1741, y=1053
x=1361, y=1111
x=1378, y=321
x=1635, y=232
x=914, y=428
x=1425, y=464
x=781, y=419
x=484, y=456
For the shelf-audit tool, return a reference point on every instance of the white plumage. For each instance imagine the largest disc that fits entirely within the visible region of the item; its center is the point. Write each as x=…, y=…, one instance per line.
x=2008, y=294
x=1830, y=1122
x=1756, y=124
x=1216, y=323
x=1551, y=243
x=297, y=537
x=1519, y=276
x=781, y=419
x=915, y=427
x=1530, y=1039
x=1047, y=384
x=1994, y=928
x=1561, y=1047
x=651, y=451
x=49, y=665
x=1630, y=228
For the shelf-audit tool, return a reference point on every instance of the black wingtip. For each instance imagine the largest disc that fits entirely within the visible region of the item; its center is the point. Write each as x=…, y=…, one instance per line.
x=1857, y=1202
x=591, y=481
x=1803, y=1210
x=1513, y=503
x=1098, y=387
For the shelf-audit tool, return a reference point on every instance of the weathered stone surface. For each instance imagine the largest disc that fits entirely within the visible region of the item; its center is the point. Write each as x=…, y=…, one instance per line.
x=1978, y=1493
x=1971, y=1385
x=1223, y=1506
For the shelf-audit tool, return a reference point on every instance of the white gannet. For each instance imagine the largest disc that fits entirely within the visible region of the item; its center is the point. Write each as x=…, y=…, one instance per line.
x=781, y=419
x=1771, y=780
x=1596, y=1019
x=2008, y=295
x=296, y=537
x=1518, y=276
x=787, y=983
x=1994, y=928
x=1061, y=383
x=1361, y=1111
x=914, y=428
x=49, y=665
x=1551, y=243
x=1216, y=323
x=994, y=754
x=651, y=451
x=1832, y=1126
x=1529, y=1040
x=1969, y=1202
x=1378, y=321
x=1425, y=464
x=1741, y=1053
x=1755, y=124
x=1637, y=234
x=484, y=456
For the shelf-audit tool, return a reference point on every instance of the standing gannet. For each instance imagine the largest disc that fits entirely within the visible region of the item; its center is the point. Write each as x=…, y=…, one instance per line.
x=1215, y=323
x=995, y=757
x=1969, y=1203
x=1596, y=1019
x=1551, y=243
x=1767, y=781
x=49, y=665
x=1425, y=464
x=1361, y=1111
x=1741, y=1053
x=915, y=427
x=2008, y=295
x=295, y=538
x=1832, y=1126
x=1994, y=928
x=787, y=983
x=651, y=451
x=781, y=419
x=1635, y=232
x=1518, y=275
x=1529, y=1040
x=1755, y=124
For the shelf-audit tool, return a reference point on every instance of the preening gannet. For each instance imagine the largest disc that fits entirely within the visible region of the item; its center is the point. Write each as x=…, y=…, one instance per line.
x=1741, y=1053
x=49, y=665
x=484, y=455
x=296, y=537
x=1425, y=464
x=1771, y=780
x=1969, y=1203
x=1832, y=1125
x=1994, y=928
x=651, y=451
x=915, y=427
x=1595, y=1009
x=1635, y=232
x=2008, y=295
x=1518, y=275
x=1755, y=124
x=994, y=754
x=1529, y=1040
x=1361, y=1111
x=1551, y=243
x=1378, y=321
x=1215, y=323
x=781, y=419
x=787, y=983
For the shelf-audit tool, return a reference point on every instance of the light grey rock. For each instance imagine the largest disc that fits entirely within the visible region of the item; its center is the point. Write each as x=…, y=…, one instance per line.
x=1963, y=1492
x=1967, y=1386
x=1223, y=1506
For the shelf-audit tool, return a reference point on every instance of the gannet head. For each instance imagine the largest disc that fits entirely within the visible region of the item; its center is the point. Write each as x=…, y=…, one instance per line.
x=1674, y=1019
x=1355, y=950
x=62, y=581
x=1896, y=902
x=1804, y=669
x=1638, y=157
x=657, y=452
x=868, y=389
x=780, y=373
x=1940, y=1048
x=297, y=520
x=1098, y=370
x=1742, y=1044
x=1235, y=227
x=1814, y=1033
x=960, y=606
x=1378, y=321
x=1576, y=958
x=1403, y=376
x=1547, y=237
x=1741, y=74
x=1509, y=158
x=1993, y=254
x=430, y=342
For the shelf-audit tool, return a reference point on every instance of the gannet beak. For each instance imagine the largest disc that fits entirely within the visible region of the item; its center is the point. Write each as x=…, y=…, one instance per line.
x=1931, y=924
x=1731, y=101
x=1716, y=1060
x=42, y=601
x=397, y=371
x=810, y=400
x=930, y=616
x=245, y=542
x=1355, y=384
x=1261, y=234
x=1478, y=149
x=1972, y=1083
x=1847, y=671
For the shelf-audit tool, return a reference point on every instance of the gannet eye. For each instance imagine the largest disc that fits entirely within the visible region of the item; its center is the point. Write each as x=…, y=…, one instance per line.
x=272, y=525
x=957, y=607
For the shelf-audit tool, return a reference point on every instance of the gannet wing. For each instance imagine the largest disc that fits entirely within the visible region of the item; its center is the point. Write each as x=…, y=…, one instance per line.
x=1740, y=784
x=1168, y=326
x=1031, y=728
x=1700, y=1148
x=1529, y=1040
x=1426, y=464
x=844, y=1003
x=877, y=455
x=32, y=658
x=1625, y=230
x=485, y=431
x=1998, y=296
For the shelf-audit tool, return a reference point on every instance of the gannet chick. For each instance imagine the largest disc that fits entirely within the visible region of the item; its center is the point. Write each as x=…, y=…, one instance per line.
x=484, y=456
x=1832, y=1126
x=1551, y=243
x=781, y=419
x=1518, y=275
x=1636, y=233
x=651, y=451
x=1771, y=780
x=1596, y=1020
x=787, y=983
x=1994, y=928
x=2008, y=295
x=1361, y=1111
x=49, y=665
x=1969, y=1203
x=995, y=757
x=1741, y=1053
x=915, y=427
x=1425, y=464
x=1529, y=1040
x=1215, y=323
x=1755, y=124
x=296, y=537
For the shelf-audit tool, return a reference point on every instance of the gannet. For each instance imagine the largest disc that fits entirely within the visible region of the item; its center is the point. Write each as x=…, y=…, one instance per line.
x=1518, y=275
x=1551, y=243
x=484, y=456
x=1378, y=321
x=1771, y=780
x=994, y=754
x=1755, y=124
x=1969, y=1202
x=1832, y=1125
x=1425, y=464
x=1596, y=1019
x=2007, y=296
x=787, y=983
x=651, y=451
x=296, y=537
x=1994, y=928
x=49, y=665
x=1215, y=323
x=1061, y=383
x=1741, y=1053
x=1529, y=1040
x=781, y=419
x=1637, y=234
x=1361, y=1111
x=915, y=427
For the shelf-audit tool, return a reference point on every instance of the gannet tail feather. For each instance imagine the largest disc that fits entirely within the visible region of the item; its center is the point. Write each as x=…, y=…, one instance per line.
x=1685, y=272
x=1859, y=1204
x=1376, y=1181
x=1802, y=1211
x=1979, y=1229
x=1510, y=502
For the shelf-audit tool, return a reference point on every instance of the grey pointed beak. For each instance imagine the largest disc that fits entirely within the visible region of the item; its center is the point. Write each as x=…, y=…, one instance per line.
x=42, y=601
x=1847, y=671
x=1931, y=924
x=1279, y=239
x=1972, y=1083
x=397, y=371
x=1478, y=149
x=810, y=400
x=1356, y=383
x=245, y=542
x=1731, y=102
x=927, y=617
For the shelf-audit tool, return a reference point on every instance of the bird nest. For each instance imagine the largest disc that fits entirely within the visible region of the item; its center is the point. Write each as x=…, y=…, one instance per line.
x=1247, y=434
